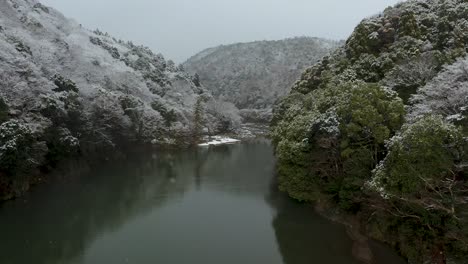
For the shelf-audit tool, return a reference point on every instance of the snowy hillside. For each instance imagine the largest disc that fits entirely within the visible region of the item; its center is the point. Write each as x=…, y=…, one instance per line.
x=254, y=75
x=39, y=46
x=380, y=129
x=65, y=89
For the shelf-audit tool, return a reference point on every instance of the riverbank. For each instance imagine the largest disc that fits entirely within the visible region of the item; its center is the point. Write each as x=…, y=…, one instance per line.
x=367, y=235
x=10, y=189
x=364, y=244
x=247, y=131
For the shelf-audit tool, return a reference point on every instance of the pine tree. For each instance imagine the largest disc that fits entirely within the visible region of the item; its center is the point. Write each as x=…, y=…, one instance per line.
x=198, y=120
x=196, y=80
x=3, y=111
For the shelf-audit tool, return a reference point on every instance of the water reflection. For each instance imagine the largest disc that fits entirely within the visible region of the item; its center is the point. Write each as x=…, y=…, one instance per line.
x=241, y=169
x=212, y=205
x=320, y=241
x=56, y=223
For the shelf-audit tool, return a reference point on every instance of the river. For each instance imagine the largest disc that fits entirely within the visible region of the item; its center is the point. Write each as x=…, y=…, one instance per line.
x=206, y=205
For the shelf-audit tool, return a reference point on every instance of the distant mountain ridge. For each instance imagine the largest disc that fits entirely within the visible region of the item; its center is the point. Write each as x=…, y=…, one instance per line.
x=254, y=75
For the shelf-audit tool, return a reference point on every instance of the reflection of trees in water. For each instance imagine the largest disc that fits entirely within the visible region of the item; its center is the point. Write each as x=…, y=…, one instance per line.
x=59, y=224
x=61, y=220
x=238, y=168
x=305, y=237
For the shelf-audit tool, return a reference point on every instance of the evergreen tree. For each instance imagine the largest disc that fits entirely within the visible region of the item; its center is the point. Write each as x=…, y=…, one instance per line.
x=198, y=120
x=3, y=111
x=196, y=80
x=423, y=182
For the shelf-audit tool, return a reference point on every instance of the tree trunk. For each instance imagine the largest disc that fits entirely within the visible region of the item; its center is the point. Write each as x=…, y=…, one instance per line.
x=438, y=255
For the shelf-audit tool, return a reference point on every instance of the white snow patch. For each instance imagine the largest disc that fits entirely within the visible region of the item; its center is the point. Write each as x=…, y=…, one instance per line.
x=219, y=140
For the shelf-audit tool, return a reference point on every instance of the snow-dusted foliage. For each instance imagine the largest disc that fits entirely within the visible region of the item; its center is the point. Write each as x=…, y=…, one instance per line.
x=16, y=145
x=423, y=154
x=402, y=48
x=79, y=89
x=332, y=134
x=43, y=53
x=412, y=53
x=254, y=75
x=446, y=94
x=423, y=186
x=11, y=133
x=422, y=179
x=224, y=116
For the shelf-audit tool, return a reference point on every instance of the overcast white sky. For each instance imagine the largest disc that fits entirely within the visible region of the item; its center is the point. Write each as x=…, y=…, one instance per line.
x=180, y=28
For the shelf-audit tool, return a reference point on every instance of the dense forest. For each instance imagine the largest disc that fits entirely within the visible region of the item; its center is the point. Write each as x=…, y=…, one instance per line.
x=254, y=75
x=379, y=128
x=68, y=91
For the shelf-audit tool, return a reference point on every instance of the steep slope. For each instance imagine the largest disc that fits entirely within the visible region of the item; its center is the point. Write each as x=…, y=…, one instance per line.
x=380, y=129
x=254, y=75
x=64, y=89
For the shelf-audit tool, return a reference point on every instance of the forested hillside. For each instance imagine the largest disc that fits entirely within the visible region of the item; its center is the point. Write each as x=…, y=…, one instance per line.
x=380, y=129
x=254, y=75
x=65, y=90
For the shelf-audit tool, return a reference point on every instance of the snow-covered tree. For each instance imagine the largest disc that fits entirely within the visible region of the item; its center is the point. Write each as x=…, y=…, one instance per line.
x=417, y=49
x=224, y=116
x=446, y=94
x=422, y=181
x=3, y=111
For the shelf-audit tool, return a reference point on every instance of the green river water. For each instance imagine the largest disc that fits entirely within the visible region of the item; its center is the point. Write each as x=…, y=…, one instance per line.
x=216, y=205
